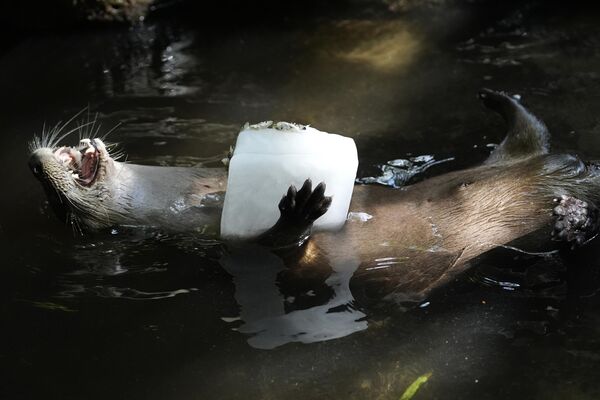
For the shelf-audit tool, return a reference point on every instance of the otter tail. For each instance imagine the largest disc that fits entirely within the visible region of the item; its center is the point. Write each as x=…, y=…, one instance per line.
x=526, y=135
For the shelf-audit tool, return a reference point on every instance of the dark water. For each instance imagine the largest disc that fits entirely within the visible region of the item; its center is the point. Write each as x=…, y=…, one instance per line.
x=153, y=316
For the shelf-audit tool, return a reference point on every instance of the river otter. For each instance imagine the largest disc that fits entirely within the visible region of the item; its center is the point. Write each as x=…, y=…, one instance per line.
x=508, y=197
x=416, y=238
x=90, y=190
x=421, y=236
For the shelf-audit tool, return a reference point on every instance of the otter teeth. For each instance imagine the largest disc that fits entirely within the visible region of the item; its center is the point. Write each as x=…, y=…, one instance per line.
x=68, y=157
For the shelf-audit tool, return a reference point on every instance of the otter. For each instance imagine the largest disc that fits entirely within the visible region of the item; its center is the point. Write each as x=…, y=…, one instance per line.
x=416, y=239
x=90, y=190
x=422, y=236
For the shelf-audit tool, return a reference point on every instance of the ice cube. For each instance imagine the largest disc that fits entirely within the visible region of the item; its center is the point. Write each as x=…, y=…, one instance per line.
x=268, y=158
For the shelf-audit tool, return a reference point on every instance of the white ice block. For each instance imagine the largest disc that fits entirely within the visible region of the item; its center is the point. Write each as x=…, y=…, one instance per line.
x=268, y=158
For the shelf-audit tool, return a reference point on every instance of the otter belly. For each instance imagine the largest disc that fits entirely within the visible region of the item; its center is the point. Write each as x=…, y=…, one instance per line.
x=422, y=236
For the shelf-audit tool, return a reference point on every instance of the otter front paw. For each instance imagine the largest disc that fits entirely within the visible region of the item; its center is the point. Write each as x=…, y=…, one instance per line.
x=577, y=222
x=304, y=206
x=299, y=209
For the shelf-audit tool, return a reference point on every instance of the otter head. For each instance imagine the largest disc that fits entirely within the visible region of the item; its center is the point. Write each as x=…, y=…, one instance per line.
x=76, y=180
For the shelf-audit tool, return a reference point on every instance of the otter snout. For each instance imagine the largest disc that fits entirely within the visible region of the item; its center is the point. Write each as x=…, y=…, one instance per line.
x=37, y=160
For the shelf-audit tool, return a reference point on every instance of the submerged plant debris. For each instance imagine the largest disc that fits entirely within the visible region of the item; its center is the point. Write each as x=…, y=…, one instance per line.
x=46, y=305
x=414, y=387
x=397, y=173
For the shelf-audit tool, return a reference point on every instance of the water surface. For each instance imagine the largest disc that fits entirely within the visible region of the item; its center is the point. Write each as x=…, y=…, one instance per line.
x=145, y=314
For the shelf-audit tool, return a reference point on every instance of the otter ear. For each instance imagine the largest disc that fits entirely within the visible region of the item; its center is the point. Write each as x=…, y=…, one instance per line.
x=526, y=135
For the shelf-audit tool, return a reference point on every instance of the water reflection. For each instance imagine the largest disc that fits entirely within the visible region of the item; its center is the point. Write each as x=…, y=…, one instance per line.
x=149, y=61
x=132, y=264
x=264, y=304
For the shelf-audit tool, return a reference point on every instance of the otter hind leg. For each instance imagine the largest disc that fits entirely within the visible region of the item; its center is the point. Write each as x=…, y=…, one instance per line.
x=299, y=210
x=526, y=135
x=577, y=222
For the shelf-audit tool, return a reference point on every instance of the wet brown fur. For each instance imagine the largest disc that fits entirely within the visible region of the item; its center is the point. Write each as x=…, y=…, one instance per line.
x=429, y=232
x=424, y=235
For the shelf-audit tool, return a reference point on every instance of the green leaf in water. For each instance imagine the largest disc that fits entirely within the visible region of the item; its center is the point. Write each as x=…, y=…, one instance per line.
x=412, y=389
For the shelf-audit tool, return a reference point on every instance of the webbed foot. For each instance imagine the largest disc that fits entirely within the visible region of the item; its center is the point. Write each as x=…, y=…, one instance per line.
x=525, y=136
x=299, y=210
x=577, y=222
x=496, y=100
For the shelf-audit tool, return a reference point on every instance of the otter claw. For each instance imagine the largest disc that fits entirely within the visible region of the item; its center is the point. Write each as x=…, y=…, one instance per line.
x=577, y=222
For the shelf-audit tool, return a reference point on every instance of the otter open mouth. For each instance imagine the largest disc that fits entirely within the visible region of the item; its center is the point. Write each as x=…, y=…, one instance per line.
x=83, y=162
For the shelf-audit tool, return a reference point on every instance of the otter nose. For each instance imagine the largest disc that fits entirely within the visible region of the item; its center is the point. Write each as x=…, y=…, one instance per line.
x=35, y=164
